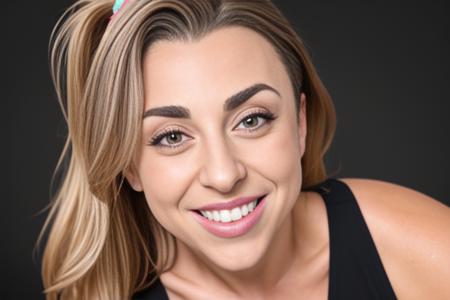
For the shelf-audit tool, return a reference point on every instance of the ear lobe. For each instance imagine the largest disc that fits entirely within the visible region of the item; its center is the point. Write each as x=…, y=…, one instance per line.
x=302, y=124
x=133, y=179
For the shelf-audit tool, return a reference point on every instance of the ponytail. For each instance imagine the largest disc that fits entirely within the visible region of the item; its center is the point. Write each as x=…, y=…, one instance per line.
x=81, y=222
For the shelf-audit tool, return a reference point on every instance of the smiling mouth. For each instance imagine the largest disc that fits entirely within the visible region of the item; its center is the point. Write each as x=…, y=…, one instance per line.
x=230, y=215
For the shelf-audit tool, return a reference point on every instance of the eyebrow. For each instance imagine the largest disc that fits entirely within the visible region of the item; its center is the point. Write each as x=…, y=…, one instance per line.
x=174, y=111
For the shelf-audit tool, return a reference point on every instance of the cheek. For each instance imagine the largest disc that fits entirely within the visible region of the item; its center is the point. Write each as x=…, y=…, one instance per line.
x=277, y=156
x=164, y=182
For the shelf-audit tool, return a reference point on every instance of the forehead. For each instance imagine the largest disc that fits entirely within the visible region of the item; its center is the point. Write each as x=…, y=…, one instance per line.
x=212, y=68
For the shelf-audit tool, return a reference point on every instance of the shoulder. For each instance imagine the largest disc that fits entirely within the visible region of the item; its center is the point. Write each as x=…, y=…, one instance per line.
x=411, y=233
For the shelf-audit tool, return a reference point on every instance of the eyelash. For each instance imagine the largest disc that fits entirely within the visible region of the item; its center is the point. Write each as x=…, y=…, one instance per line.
x=155, y=141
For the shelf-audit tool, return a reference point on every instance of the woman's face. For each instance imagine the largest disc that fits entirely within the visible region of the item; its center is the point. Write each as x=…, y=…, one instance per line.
x=226, y=144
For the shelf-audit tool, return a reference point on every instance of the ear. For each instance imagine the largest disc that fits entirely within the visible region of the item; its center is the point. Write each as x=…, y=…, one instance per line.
x=133, y=178
x=302, y=124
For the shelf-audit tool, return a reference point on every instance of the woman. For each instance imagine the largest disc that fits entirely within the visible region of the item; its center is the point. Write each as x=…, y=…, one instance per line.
x=197, y=131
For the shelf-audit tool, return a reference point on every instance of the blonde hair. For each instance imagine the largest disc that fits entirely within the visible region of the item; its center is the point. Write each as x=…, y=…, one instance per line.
x=104, y=242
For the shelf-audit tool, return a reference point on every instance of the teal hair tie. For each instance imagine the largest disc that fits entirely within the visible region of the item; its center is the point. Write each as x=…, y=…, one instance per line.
x=118, y=5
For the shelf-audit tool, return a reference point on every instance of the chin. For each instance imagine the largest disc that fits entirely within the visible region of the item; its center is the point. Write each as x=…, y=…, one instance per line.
x=238, y=257
x=237, y=264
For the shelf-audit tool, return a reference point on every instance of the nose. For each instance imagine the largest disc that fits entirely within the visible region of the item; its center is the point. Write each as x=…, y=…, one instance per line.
x=221, y=170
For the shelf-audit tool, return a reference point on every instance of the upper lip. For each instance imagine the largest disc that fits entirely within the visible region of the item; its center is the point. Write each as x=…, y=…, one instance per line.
x=230, y=204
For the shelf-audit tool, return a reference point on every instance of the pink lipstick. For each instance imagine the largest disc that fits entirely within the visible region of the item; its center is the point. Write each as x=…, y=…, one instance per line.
x=231, y=228
x=230, y=204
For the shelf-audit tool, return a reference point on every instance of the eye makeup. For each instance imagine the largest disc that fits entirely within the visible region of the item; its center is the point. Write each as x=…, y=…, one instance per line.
x=156, y=140
x=165, y=135
x=265, y=115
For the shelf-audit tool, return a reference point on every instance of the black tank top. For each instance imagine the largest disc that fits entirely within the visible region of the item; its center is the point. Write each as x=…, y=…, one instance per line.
x=356, y=270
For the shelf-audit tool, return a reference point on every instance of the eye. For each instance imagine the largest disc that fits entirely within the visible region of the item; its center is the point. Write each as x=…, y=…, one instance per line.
x=173, y=138
x=252, y=121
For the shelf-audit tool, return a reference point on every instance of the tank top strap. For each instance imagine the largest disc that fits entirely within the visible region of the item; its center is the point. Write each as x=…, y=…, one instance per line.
x=156, y=291
x=356, y=270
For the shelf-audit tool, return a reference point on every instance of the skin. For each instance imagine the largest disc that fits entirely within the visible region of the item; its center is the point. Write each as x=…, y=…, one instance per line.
x=218, y=159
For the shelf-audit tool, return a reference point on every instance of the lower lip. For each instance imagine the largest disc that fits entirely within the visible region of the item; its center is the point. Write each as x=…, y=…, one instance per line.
x=234, y=228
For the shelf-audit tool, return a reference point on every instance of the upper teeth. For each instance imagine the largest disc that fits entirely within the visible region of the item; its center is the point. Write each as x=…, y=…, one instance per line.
x=226, y=215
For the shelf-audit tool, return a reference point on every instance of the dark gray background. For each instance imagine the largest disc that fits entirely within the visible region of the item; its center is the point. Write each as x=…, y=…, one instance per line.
x=385, y=64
